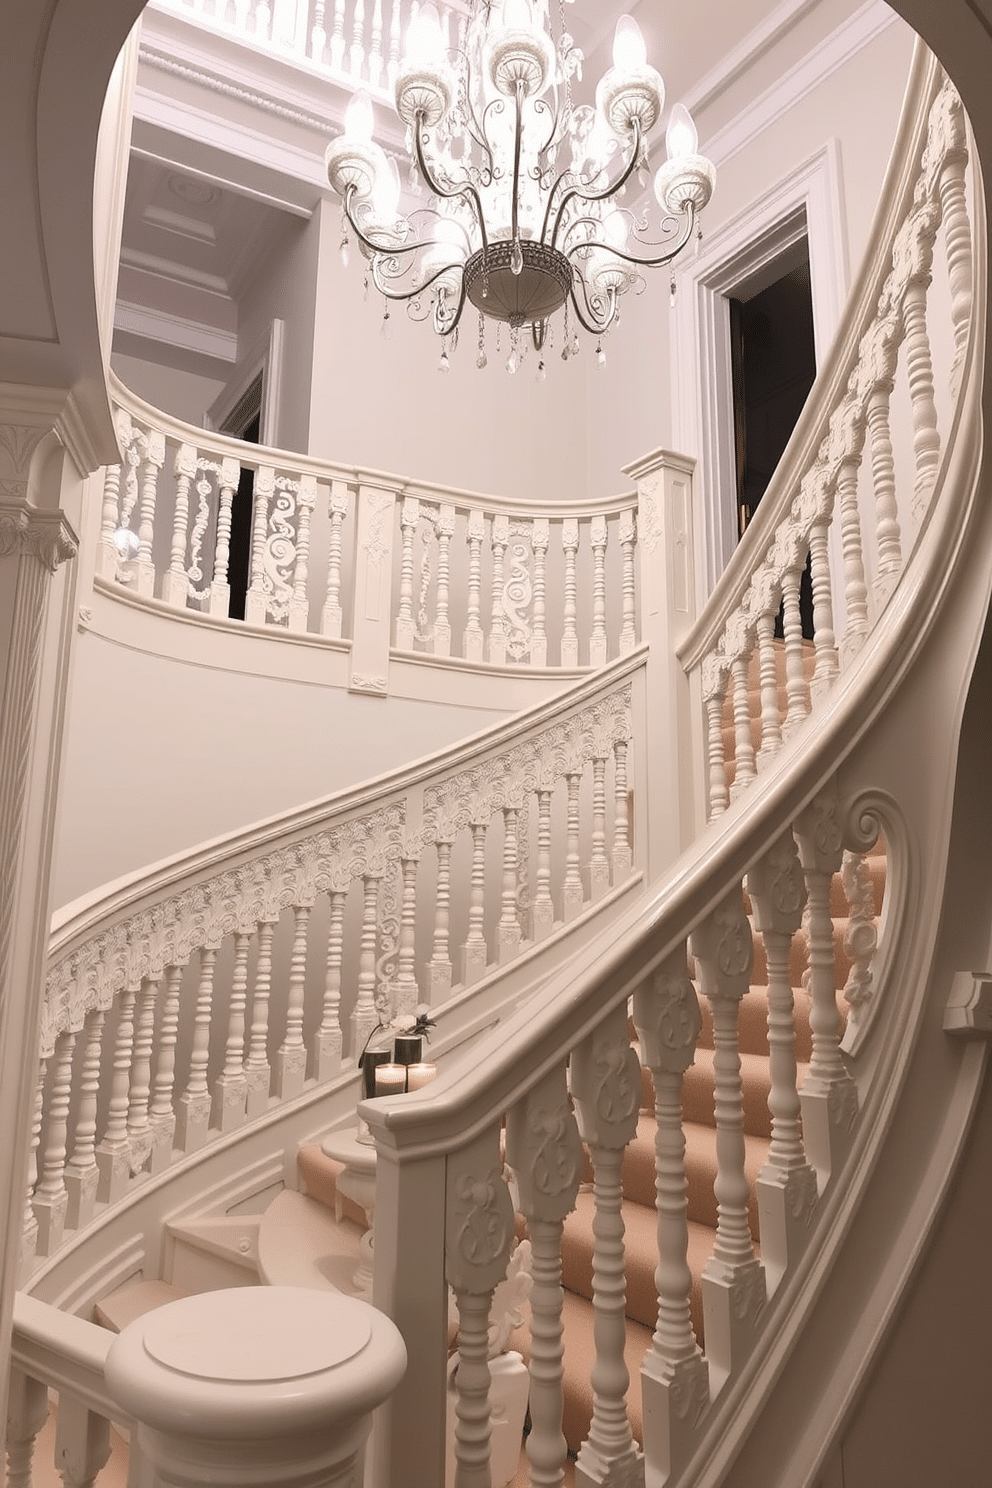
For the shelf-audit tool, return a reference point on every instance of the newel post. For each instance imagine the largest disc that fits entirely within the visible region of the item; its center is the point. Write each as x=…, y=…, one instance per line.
x=372, y=621
x=256, y=1386
x=667, y=601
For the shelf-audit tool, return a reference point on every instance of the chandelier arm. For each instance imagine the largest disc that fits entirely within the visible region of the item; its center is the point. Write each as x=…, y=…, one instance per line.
x=439, y=326
x=594, y=325
x=383, y=285
x=632, y=258
x=449, y=195
x=608, y=191
x=370, y=243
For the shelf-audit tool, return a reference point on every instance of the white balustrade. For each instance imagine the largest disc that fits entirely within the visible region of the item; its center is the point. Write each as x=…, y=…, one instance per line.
x=569, y=1050
x=469, y=578
x=276, y=984
x=855, y=521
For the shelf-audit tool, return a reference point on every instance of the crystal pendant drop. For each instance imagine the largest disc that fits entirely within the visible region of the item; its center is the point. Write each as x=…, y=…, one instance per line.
x=345, y=253
x=671, y=296
x=482, y=361
x=541, y=374
x=512, y=362
x=516, y=258
x=573, y=350
x=600, y=355
x=444, y=365
x=386, y=331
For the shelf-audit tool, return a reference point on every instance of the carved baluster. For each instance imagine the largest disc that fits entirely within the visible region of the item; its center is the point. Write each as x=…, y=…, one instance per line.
x=714, y=695
x=299, y=604
x=478, y=1233
x=241, y=8
x=51, y=1198
x=161, y=1112
x=542, y=910
x=860, y=935
x=674, y=1375
x=256, y=600
x=175, y=584
x=829, y=1095
x=597, y=641
x=263, y=20
x=82, y=1442
x=113, y=1154
x=919, y=367
x=771, y=724
x=27, y=1412
x=606, y=1086
x=599, y=863
x=540, y=537
x=330, y=624
x=375, y=48
x=544, y=1149
x=328, y=1045
x=81, y=1174
x=621, y=859
x=508, y=935
x=364, y=1016
x=474, y=638
x=570, y=635
x=257, y=1068
x=356, y=53
x=139, y=1128
x=152, y=466
x=193, y=1114
x=824, y=640
x=393, y=65
x=291, y=1057
x=744, y=762
x=474, y=953
x=786, y=1184
x=572, y=896
x=957, y=230
x=318, y=36
x=405, y=625
x=337, y=36
x=231, y=1086
x=439, y=967
x=500, y=538
x=733, y=1279
x=442, y=615
x=407, y=992
x=107, y=554
x=796, y=686
x=628, y=607
x=29, y=1234
x=888, y=539
x=855, y=588
x=219, y=599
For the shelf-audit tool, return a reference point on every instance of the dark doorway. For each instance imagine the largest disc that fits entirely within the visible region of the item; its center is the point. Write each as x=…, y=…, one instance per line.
x=244, y=422
x=774, y=363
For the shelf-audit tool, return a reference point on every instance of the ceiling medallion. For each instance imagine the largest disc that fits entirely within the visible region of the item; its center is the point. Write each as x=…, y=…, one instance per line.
x=517, y=210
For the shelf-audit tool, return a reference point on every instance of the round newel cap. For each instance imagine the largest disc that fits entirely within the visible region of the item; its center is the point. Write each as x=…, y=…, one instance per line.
x=255, y=1362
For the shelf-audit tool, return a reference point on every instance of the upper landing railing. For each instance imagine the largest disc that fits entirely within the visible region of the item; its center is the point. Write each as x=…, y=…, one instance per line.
x=357, y=41
x=371, y=561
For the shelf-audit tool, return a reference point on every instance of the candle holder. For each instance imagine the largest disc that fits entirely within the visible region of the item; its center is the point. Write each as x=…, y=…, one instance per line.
x=372, y=1060
x=408, y=1048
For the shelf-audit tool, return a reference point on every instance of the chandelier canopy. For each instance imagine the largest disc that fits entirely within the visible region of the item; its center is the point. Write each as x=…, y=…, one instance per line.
x=522, y=185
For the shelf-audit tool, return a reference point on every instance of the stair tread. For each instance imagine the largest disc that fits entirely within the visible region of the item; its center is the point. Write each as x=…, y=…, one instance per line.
x=132, y=1301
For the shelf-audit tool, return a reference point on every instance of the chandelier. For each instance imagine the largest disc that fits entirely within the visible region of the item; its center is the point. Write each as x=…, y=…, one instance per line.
x=522, y=215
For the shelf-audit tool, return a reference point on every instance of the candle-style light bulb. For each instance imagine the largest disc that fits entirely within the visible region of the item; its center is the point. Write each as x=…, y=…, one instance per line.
x=681, y=138
x=616, y=229
x=629, y=51
x=423, y=39
x=517, y=15
x=359, y=119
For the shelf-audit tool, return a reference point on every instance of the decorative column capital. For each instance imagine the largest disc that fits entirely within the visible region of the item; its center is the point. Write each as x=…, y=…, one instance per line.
x=45, y=535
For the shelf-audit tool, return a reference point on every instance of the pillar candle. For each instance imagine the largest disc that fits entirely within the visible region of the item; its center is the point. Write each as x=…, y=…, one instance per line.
x=420, y=1074
x=408, y=1049
x=390, y=1079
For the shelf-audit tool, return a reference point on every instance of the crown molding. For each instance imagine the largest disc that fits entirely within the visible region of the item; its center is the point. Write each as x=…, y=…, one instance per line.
x=176, y=330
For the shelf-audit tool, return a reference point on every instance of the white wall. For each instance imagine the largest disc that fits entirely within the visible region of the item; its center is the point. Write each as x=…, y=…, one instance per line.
x=182, y=394
x=162, y=754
